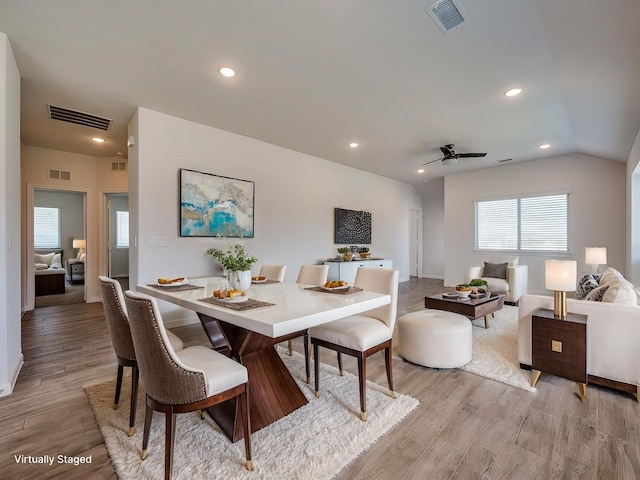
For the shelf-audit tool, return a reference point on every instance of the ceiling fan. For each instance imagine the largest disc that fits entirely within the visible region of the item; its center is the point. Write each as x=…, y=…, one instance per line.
x=451, y=157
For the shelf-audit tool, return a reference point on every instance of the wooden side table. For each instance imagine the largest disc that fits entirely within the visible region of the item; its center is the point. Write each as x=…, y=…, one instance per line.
x=559, y=347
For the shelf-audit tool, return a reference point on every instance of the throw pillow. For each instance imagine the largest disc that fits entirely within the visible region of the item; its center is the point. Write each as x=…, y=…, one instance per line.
x=585, y=285
x=623, y=293
x=596, y=294
x=41, y=266
x=495, y=270
x=516, y=262
x=57, y=259
x=44, y=258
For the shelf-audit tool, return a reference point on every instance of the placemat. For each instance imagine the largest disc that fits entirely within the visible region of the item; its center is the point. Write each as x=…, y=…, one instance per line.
x=346, y=291
x=176, y=288
x=248, y=305
x=266, y=282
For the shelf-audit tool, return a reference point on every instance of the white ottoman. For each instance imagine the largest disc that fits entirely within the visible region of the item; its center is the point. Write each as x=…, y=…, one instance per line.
x=435, y=338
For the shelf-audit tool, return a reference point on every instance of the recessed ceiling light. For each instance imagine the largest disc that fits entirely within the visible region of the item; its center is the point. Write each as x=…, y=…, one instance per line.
x=421, y=170
x=544, y=146
x=353, y=145
x=425, y=181
x=513, y=92
x=97, y=139
x=118, y=153
x=227, y=72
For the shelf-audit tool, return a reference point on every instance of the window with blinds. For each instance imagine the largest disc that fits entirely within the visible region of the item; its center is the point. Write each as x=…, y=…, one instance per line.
x=46, y=227
x=531, y=224
x=122, y=229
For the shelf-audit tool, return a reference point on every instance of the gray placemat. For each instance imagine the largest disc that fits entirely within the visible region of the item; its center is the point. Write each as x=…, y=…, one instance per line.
x=346, y=291
x=176, y=288
x=248, y=305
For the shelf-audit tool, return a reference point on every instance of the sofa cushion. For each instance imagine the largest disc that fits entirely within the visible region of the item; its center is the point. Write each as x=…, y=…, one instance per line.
x=495, y=270
x=496, y=285
x=585, y=285
x=596, y=294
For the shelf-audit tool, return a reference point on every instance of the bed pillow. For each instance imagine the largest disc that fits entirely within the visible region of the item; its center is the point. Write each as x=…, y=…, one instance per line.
x=495, y=270
x=46, y=258
x=41, y=266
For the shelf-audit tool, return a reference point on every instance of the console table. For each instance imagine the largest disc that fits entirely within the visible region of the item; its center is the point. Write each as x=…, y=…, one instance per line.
x=75, y=270
x=339, y=270
x=559, y=347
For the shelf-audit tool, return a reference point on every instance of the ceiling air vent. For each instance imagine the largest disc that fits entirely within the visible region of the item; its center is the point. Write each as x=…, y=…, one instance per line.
x=447, y=14
x=79, y=118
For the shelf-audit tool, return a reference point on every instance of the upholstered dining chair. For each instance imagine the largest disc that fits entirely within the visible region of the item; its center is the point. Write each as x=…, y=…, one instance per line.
x=362, y=335
x=309, y=275
x=273, y=272
x=188, y=380
x=118, y=322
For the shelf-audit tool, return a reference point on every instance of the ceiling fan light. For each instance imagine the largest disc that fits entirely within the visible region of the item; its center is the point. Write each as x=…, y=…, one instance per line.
x=449, y=161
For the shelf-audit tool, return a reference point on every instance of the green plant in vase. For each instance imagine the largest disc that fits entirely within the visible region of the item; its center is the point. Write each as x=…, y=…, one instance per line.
x=237, y=263
x=363, y=252
x=478, y=285
x=346, y=253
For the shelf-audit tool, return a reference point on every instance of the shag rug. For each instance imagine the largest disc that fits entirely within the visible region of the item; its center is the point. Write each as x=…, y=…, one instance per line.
x=314, y=442
x=495, y=350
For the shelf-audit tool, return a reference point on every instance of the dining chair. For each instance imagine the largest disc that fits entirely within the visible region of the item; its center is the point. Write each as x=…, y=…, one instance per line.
x=362, y=335
x=273, y=272
x=309, y=275
x=118, y=323
x=182, y=381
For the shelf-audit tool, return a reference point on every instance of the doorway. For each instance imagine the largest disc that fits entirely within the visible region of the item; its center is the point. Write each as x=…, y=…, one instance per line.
x=415, y=242
x=117, y=237
x=59, y=244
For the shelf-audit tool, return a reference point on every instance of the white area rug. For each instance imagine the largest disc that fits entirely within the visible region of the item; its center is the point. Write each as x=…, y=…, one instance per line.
x=314, y=442
x=495, y=350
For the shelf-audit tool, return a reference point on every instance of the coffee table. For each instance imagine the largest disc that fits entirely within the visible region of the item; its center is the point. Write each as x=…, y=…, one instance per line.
x=471, y=308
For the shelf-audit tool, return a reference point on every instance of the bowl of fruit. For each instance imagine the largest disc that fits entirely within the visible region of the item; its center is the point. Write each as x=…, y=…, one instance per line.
x=463, y=290
x=335, y=285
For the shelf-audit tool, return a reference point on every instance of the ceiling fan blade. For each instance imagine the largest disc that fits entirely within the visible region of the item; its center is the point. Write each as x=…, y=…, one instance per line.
x=432, y=161
x=470, y=155
x=445, y=151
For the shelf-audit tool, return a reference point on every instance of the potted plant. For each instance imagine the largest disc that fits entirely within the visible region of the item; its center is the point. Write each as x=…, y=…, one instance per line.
x=346, y=253
x=478, y=285
x=237, y=264
x=363, y=252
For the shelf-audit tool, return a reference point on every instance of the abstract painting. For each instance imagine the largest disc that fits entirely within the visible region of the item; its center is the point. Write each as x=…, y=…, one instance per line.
x=352, y=226
x=215, y=206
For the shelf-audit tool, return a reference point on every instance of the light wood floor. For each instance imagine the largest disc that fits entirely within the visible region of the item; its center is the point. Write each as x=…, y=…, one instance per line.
x=466, y=427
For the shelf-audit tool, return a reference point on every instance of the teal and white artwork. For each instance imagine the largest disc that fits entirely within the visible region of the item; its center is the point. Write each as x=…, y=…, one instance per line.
x=215, y=206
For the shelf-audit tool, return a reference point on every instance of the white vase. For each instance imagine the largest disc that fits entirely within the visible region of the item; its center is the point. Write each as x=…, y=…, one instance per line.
x=240, y=280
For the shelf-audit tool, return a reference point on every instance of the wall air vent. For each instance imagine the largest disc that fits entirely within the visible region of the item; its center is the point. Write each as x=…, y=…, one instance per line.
x=446, y=14
x=79, y=118
x=119, y=166
x=59, y=174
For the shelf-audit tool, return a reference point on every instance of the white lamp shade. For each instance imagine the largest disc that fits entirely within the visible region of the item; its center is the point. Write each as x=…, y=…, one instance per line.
x=561, y=275
x=595, y=255
x=79, y=243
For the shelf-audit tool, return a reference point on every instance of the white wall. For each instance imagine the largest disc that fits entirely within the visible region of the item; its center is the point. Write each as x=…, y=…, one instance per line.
x=633, y=213
x=11, y=357
x=91, y=175
x=295, y=197
x=596, y=210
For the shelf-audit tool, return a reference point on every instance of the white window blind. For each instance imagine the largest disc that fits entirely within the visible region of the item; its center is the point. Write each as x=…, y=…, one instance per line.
x=523, y=224
x=46, y=227
x=122, y=229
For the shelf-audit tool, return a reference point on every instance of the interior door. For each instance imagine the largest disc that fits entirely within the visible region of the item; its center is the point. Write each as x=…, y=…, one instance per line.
x=414, y=239
x=110, y=228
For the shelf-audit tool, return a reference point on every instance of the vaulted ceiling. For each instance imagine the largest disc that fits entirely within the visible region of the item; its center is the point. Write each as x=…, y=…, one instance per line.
x=316, y=76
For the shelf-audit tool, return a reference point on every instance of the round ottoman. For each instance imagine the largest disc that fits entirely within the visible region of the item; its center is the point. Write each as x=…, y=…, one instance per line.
x=435, y=338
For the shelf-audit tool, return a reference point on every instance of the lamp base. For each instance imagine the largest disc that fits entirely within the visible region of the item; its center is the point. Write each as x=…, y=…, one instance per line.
x=560, y=304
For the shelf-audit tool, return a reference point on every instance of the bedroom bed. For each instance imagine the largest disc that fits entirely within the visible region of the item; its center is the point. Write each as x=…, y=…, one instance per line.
x=49, y=272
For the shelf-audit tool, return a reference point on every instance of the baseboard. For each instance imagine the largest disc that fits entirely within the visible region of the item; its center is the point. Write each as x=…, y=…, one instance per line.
x=123, y=275
x=7, y=388
x=434, y=277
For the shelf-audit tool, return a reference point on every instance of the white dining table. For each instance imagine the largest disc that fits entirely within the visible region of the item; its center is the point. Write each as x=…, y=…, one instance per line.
x=250, y=337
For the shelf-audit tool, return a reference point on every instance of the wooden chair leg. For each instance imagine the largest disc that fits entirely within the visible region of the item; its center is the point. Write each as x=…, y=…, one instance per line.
x=116, y=399
x=290, y=345
x=135, y=373
x=148, y=416
x=246, y=426
x=169, y=439
x=340, y=363
x=362, y=380
x=307, y=367
x=316, y=368
x=388, y=363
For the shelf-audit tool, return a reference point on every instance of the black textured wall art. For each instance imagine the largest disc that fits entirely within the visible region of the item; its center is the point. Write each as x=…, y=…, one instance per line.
x=352, y=226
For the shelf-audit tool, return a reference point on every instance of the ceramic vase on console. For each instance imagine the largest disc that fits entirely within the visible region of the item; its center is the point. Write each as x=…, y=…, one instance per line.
x=240, y=280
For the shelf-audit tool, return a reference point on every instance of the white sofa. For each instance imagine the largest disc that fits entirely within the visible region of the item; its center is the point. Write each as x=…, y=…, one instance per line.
x=613, y=338
x=513, y=287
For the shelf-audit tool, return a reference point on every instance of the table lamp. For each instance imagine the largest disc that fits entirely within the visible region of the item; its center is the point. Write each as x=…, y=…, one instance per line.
x=595, y=256
x=560, y=276
x=80, y=244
